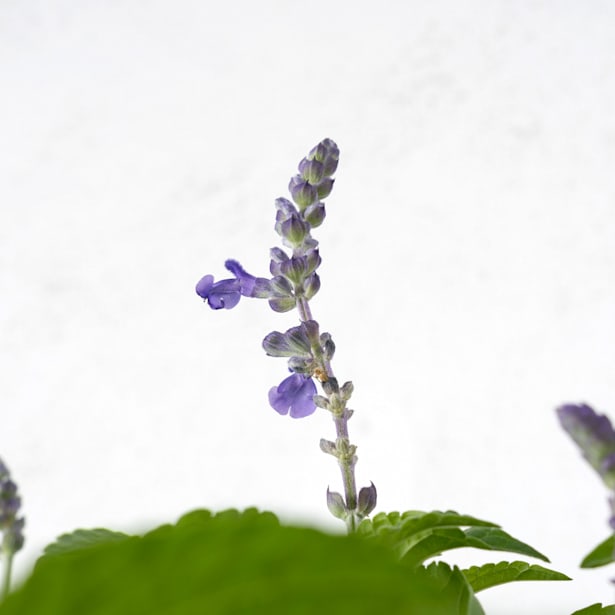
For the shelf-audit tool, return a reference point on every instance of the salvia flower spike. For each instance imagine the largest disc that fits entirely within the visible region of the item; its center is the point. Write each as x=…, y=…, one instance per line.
x=11, y=524
x=293, y=284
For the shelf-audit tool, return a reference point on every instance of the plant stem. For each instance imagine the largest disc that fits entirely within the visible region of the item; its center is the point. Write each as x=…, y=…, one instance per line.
x=304, y=309
x=6, y=577
x=346, y=461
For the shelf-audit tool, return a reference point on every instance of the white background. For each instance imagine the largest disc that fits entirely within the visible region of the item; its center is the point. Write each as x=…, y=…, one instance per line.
x=467, y=273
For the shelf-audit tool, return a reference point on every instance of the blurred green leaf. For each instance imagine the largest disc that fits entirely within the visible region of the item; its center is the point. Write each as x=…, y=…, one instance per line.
x=597, y=609
x=488, y=575
x=82, y=539
x=454, y=593
x=601, y=555
x=237, y=563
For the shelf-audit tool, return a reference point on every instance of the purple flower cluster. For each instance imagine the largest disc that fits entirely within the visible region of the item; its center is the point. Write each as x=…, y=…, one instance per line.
x=10, y=503
x=294, y=279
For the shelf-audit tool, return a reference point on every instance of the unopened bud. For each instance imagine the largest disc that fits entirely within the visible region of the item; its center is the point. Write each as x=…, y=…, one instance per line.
x=294, y=270
x=312, y=171
x=346, y=390
x=321, y=402
x=303, y=192
x=324, y=188
x=326, y=446
x=311, y=285
x=336, y=504
x=367, y=500
x=300, y=365
x=278, y=256
x=327, y=345
x=281, y=286
x=294, y=230
x=330, y=386
x=314, y=214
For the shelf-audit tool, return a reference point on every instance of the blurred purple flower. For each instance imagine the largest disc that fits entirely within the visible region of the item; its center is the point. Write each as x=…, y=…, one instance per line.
x=226, y=293
x=294, y=394
x=10, y=503
x=594, y=435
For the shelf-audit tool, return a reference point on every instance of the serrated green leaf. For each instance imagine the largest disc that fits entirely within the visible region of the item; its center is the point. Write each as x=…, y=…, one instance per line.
x=498, y=540
x=402, y=531
x=416, y=536
x=82, y=539
x=416, y=520
x=434, y=542
x=488, y=575
x=597, y=609
x=601, y=555
x=235, y=563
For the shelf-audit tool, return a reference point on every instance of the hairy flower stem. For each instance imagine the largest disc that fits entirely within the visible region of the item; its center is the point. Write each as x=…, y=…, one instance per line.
x=346, y=457
x=304, y=309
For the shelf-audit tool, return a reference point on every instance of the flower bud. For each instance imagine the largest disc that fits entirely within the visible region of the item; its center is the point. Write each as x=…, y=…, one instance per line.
x=285, y=208
x=330, y=164
x=311, y=285
x=303, y=193
x=281, y=287
x=336, y=504
x=294, y=269
x=278, y=256
x=314, y=214
x=311, y=171
x=294, y=230
x=300, y=365
x=324, y=188
x=318, y=152
x=327, y=345
x=367, y=500
x=346, y=390
x=328, y=153
x=312, y=260
x=330, y=386
x=326, y=446
x=321, y=402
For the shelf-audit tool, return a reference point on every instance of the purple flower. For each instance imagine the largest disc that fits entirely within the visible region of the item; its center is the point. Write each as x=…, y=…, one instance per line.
x=222, y=294
x=226, y=293
x=295, y=394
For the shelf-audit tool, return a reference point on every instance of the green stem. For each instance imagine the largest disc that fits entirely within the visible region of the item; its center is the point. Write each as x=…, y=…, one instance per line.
x=6, y=577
